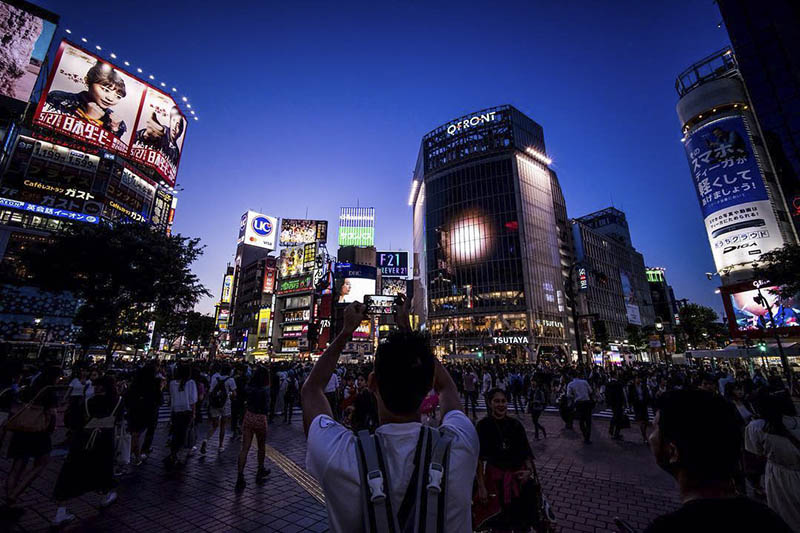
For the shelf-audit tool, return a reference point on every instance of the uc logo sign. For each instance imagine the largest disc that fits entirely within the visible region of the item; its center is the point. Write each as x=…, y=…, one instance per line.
x=262, y=226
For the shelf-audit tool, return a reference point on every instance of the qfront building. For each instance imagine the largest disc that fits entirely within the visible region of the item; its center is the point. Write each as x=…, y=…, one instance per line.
x=492, y=247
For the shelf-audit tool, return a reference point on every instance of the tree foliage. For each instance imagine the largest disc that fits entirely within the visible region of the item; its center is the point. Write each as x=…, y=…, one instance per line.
x=698, y=324
x=781, y=267
x=124, y=275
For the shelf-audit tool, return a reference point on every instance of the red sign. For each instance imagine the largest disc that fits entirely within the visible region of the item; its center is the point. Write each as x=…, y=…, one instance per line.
x=269, y=279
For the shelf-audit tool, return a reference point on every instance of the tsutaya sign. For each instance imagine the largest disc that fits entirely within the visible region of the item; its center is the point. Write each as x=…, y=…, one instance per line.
x=521, y=339
x=455, y=127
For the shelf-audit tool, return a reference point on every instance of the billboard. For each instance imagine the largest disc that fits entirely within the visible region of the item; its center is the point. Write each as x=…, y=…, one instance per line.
x=299, y=231
x=353, y=282
x=263, y=321
x=291, y=261
x=270, y=273
x=90, y=100
x=259, y=230
x=357, y=226
x=392, y=264
x=295, y=285
x=737, y=212
x=749, y=316
x=27, y=31
x=49, y=211
x=227, y=286
x=393, y=286
x=159, y=136
x=631, y=306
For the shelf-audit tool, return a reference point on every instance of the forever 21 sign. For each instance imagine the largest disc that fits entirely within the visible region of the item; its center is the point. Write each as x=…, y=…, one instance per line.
x=393, y=264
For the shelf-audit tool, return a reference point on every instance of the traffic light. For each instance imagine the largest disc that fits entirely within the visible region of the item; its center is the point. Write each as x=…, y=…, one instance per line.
x=480, y=355
x=762, y=346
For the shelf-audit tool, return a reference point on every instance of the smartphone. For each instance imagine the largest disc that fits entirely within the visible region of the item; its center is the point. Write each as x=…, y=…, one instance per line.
x=377, y=304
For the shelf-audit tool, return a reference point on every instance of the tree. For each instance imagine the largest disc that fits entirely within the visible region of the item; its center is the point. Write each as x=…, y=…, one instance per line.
x=780, y=267
x=191, y=325
x=697, y=323
x=124, y=274
x=199, y=328
x=635, y=336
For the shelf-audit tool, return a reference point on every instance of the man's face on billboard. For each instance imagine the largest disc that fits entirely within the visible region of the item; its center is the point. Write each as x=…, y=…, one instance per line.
x=104, y=96
x=153, y=129
x=175, y=126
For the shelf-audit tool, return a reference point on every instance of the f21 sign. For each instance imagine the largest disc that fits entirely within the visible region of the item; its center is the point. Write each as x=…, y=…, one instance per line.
x=392, y=264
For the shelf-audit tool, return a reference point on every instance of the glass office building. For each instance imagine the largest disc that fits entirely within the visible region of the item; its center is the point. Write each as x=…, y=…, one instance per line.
x=491, y=240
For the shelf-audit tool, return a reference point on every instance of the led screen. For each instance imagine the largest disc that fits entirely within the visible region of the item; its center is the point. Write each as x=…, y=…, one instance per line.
x=350, y=290
x=750, y=315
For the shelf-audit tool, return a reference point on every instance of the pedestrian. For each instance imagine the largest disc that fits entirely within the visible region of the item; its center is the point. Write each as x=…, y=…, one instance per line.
x=776, y=437
x=580, y=393
x=471, y=391
x=696, y=440
x=79, y=388
x=237, y=402
x=183, y=402
x=290, y=396
x=536, y=405
x=89, y=465
x=404, y=369
x=223, y=387
x=615, y=399
x=506, y=474
x=31, y=435
x=274, y=388
x=639, y=400
x=142, y=397
x=254, y=424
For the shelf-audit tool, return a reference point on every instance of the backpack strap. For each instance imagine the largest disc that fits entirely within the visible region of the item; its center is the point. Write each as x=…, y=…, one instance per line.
x=377, y=481
x=419, y=479
x=437, y=481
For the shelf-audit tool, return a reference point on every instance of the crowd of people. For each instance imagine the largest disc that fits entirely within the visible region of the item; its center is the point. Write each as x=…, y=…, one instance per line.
x=412, y=412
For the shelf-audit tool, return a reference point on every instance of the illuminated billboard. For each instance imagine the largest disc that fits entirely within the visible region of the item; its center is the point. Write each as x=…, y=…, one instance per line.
x=392, y=264
x=353, y=282
x=27, y=31
x=737, y=212
x=299, y=231
x=291, y=262
x=750, y=316
x=259, y=230
x=89, y=99
x=357, y=226
x=631, y=305
x=227, y=287
x=393, y=286
x=294, y=285
x=96, y=102
x=270, y=273
x=159, y=136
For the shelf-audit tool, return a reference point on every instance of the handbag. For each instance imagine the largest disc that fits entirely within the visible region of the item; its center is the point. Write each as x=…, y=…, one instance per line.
x=123, y=447
x=31, y=418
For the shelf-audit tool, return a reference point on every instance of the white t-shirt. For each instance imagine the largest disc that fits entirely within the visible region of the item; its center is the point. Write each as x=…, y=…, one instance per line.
x=230, y=384
x=182, y=400
x=487, y=382
x=579, y=390
x=331, y=458
x=76, y=388
x=333, y=384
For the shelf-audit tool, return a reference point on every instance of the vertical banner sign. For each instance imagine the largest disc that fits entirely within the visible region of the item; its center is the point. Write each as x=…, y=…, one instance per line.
x=357, y=226
x=737, y=212
x=269, y=279
x=227, y=285
x=583, y=280
x=631, y=306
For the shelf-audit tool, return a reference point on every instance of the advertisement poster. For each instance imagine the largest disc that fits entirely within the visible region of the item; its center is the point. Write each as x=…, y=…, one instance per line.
x=159, y=135
x=357, y=226
x=26, y=37
x=299, y=231
x=259, y=230
x=263, y=322
x=393, y=286
x=353, y=282
x=740, y=223
x=631, y=306
x=270, y=274
x=291, y=262
x=89, y=99
x=227, y=285
x=392, y=264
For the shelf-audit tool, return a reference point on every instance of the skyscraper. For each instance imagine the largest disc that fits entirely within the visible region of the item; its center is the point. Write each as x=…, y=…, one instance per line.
x=492, y=244
x=766, y=42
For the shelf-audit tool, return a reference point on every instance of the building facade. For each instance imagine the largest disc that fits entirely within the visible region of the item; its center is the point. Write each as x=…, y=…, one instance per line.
x=665, y=305
x=766, y=42
x=616, y=294
x=743, y=206
x=492, y=248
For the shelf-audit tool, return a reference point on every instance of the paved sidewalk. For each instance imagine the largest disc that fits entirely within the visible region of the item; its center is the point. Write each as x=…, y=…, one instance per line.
x=587, y=485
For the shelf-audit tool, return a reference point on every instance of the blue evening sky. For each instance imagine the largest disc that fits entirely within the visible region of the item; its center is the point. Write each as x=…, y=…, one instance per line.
x=307, y=107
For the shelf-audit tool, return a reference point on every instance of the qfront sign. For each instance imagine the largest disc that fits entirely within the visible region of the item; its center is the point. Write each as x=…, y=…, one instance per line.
x=259, y=230
x=518, y=339
x=470, y=122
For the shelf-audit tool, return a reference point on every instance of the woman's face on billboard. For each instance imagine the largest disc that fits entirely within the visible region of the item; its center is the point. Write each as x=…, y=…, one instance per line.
x=104, y=95
x=346, y=287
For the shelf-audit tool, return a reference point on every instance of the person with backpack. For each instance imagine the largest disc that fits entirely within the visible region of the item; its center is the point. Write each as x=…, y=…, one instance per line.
x=407, y=475
x=222, y=387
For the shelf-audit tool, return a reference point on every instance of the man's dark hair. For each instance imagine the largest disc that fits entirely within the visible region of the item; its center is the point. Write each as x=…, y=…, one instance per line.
x=704, y=429
x=105, y=75
x=404, y=369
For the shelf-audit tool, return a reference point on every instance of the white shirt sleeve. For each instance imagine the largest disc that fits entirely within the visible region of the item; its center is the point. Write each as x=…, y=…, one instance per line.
x=457, y=422
x=327, y=439
x=754, y=437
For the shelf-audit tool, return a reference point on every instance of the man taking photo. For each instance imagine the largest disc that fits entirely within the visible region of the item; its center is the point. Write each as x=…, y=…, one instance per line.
x=405, y=371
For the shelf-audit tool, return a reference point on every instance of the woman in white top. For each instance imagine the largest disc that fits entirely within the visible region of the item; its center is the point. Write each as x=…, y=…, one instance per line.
x=183, y=399
x=776, y=436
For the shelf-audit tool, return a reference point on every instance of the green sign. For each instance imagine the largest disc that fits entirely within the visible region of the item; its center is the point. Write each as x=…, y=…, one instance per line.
x=356, y=236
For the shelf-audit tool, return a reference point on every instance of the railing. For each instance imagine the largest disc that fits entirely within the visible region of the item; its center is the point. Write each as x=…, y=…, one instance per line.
x=718, y=65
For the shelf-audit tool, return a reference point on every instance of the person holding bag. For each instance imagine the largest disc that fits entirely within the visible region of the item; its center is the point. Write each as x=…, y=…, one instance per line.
x=31, y=430
x=89, y=466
